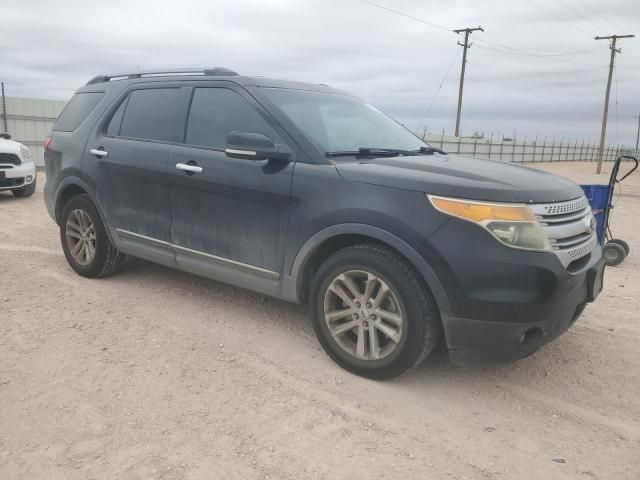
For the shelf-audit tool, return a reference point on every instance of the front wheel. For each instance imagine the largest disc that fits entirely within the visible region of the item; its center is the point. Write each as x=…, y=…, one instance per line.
x=85, y=241
x=372, y=313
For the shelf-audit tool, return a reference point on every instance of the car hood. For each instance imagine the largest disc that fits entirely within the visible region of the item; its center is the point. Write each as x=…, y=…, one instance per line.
x=9, y=146
x=463, y=177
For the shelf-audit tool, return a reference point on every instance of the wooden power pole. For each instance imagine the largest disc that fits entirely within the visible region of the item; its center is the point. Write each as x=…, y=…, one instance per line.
x=603, y=132
x=466, y=45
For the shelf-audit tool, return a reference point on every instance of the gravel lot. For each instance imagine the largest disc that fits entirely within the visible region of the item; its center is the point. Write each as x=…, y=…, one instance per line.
x=159, y=374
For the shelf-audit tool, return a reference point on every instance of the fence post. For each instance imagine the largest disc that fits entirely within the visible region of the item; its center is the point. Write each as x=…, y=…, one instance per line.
x=459, y=143
x=490, y=145
x=553, y=147
x=559, y=150
x=475, y=146
x=581, y=147
x=442, y=140
x=524, y=148
x=513, y=152
x=501, y=147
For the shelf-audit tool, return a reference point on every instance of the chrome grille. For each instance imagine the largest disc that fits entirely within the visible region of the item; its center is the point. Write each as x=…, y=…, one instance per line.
x=568, y=227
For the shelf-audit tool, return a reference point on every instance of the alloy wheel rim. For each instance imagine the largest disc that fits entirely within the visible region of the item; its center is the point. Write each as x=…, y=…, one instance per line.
x=81, y=237
x=363, y=315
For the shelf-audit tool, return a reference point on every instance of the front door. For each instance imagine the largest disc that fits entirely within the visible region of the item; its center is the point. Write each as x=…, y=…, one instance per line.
x=229, y=220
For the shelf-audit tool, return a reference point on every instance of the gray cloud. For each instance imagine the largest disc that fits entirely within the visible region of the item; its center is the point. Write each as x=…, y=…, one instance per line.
x=49, y=50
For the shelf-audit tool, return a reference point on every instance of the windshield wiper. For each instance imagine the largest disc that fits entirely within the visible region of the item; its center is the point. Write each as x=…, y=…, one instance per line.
x=430, y=151
x=369, y=152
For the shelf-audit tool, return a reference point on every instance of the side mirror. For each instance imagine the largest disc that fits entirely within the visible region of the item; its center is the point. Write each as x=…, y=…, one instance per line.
x=254, y=146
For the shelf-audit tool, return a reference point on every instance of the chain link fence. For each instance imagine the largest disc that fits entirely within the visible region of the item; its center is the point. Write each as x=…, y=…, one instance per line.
x=526, y=150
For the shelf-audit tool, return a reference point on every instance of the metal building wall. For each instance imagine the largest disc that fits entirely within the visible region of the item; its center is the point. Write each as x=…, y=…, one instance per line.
x=29, y=120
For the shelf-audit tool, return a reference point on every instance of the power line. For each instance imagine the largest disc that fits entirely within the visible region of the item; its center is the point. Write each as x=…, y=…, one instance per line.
x=579, y=14
x=549, y=12
x=552, y=57
x=531, y=74
x=406, y=15
x=433, y=99
x=440, y=27
x=599, y=14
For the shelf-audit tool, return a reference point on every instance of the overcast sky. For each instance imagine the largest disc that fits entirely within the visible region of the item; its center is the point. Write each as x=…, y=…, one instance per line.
x=551, y=82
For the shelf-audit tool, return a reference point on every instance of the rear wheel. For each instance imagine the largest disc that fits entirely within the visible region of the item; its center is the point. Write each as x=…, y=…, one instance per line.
x=25, y=191
x=614, y=254
x=372, y=312
x=85, y=241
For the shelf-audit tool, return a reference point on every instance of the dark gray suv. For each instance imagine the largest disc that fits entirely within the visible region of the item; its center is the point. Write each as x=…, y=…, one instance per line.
x=309, y=194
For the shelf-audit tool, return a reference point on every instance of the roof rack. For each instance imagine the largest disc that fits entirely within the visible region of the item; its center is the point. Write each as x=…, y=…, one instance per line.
x=215, y=72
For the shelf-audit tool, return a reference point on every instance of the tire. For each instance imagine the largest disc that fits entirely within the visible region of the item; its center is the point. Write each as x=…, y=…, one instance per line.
x=103, y=259
x=614, y=254
x=408, y=298
x=25, y=191
x=624, y=244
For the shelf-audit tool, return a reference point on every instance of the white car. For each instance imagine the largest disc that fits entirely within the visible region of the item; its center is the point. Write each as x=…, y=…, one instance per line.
x=17, y=170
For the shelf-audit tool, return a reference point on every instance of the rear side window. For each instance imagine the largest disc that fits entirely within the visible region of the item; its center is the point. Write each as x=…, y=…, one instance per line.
x=153, y=114
x=216, y=112
x=78, y=108
x=113, y=130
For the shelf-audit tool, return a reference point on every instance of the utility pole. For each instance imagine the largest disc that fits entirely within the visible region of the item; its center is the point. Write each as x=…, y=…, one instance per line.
x=466, y=46
x=603, y=132
x=4, y=109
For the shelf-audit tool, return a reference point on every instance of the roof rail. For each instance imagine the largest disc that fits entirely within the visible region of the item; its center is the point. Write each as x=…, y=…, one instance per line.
x=215, y=72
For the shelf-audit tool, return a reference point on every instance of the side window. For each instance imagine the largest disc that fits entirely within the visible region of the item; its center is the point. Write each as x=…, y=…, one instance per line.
x=216, y=112
x=77, y=110
x=113, y=130
x=153, y=114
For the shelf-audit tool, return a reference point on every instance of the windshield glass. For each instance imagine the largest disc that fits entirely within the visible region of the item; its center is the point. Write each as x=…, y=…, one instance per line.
x=339, y=123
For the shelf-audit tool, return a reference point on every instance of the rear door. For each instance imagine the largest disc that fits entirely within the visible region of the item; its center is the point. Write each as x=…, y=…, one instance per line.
x=230, y=220
x=129, y=154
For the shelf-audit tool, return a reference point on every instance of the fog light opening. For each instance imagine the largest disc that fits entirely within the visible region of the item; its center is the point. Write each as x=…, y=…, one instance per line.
x=531, y=336
x=29, y=178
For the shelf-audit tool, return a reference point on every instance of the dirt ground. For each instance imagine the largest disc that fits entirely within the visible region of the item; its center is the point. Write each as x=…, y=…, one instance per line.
x=157, y=374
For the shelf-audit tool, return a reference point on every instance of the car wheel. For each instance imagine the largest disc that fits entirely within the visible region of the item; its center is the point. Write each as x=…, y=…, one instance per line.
x=624, y=244
x=614, y=254
x=372, y=312
x=25, y=191
x=85, y=241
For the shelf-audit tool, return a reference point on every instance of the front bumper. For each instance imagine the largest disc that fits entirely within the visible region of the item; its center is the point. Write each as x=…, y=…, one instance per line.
x=506, y=303
x=17, y=176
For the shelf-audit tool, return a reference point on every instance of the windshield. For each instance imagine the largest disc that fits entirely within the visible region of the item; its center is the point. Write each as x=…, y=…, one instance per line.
x=339, y=123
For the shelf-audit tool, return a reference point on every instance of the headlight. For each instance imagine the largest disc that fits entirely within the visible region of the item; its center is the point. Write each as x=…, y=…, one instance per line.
x=25, y=153
x=512, y=224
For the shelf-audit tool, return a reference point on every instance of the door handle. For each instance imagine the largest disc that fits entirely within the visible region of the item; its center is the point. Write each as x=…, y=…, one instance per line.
x=188, y=168
x=99, y=152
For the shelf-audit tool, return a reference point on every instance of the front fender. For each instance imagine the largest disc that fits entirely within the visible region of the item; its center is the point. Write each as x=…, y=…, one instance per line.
x=292, y=280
